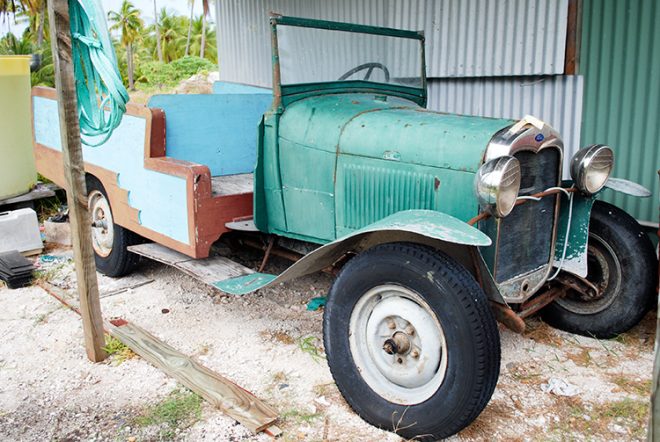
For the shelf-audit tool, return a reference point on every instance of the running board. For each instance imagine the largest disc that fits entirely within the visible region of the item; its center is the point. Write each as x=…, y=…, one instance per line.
x=214, y=271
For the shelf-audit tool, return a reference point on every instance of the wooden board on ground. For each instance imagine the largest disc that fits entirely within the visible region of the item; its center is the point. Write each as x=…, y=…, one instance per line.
x=39, y=192
x=219, y=391
x=208, y=270
x=159, y=253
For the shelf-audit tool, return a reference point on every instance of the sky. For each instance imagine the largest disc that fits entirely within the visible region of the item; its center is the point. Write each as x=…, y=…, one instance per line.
x=146, y=6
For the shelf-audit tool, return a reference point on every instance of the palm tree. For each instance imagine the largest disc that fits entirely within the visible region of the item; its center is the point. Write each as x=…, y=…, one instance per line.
x=129, y=22
x=190, y=26
x=157, y=27
x=12, y=45
x=171, y=32
x=35, y=10
x=8, y=7
x=205, y=12
x=203, y=36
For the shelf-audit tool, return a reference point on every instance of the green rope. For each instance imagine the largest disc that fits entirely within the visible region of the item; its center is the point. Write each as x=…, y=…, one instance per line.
x=102, y=96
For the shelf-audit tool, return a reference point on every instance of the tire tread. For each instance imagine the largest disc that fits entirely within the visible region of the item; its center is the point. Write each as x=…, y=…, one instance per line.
x=475, y=303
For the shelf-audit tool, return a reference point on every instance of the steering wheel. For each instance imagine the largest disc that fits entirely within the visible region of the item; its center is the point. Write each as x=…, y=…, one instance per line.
x=370, y=66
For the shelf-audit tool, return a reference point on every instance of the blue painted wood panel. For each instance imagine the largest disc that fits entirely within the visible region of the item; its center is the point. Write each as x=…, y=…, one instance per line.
x=217, y=130
x=160, y=199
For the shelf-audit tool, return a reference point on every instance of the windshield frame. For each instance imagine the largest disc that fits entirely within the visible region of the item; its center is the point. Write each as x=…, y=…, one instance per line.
x=284, y=94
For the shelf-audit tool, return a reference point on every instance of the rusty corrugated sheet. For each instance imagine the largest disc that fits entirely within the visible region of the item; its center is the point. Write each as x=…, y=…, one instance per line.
x=465, y=38
x=621, y=64
x=556, y=100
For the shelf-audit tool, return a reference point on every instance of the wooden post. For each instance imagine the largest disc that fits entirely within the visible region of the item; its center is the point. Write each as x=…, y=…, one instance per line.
x=654, y=415
x=74, y=174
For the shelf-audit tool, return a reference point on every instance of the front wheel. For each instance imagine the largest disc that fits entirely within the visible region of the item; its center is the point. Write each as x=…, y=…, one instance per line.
x=411, y=341
x=622, y=268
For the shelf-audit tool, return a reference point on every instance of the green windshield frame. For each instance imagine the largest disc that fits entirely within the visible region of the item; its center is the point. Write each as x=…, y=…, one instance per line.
x=284, y=94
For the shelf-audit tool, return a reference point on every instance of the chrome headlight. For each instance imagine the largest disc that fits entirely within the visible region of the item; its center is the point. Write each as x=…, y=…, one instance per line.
x=591, y=167
x=497, y=184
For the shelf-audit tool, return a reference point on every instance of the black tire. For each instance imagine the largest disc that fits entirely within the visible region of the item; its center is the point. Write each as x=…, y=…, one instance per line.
x=623, y=264
x=470, y=331
x=119, y=261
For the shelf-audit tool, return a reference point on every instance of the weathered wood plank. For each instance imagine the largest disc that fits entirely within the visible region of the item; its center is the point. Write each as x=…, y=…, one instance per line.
x=232, y=184
x=210, y=270
x=74, y=174
x=219, y=391
x=159, y=253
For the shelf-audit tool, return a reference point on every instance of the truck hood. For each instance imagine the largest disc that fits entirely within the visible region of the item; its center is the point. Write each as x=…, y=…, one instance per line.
x=389, y=128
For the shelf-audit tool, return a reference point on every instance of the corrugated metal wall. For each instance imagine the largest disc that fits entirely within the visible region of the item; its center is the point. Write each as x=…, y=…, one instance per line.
x=465, y=38
x=620, y=59
x=498, y=59
x=244, y=37
x=485, y=38
x=556, y=100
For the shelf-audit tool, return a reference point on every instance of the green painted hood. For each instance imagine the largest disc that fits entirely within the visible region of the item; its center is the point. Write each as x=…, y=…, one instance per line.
x=391, y=128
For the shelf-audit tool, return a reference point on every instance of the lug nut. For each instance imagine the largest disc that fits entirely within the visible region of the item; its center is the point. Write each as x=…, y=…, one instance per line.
x=390, y=347
x=410, y=330
x=414, y=353
x=391, y=324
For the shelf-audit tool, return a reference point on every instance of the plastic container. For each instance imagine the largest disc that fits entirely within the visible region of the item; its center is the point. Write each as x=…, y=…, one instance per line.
x=17, y=169
x=19, y=230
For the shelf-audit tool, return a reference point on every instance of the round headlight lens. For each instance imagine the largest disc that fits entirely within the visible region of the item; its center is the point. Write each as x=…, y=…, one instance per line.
x=497, y=184
x=591, y=168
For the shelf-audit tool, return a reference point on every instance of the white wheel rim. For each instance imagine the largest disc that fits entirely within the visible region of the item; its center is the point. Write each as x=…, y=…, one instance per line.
x=102, y=226
x=410, y=371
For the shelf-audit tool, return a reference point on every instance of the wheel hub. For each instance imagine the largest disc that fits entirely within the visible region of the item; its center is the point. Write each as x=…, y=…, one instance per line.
x=102, y=224
x=599, y=289
x=398, y=344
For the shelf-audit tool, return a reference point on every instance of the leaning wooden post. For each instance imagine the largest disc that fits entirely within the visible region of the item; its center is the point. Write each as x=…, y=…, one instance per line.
x=654, y=415
x=74, y=174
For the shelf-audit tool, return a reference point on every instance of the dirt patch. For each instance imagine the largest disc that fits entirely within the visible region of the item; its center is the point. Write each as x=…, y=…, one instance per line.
x=270, y=344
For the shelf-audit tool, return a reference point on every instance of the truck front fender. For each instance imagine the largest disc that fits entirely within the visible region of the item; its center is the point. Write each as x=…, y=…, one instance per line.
x=421, y=226
x=628, y=187
x=571, y=255
x=574, y=259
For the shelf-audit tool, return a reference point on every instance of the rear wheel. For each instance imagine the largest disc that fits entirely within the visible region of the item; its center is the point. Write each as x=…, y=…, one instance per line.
x=622, y=273
x=109, y=240
x=411, y=341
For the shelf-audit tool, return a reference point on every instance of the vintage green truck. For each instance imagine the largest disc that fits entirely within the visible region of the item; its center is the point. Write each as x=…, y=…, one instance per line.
x=439, y=224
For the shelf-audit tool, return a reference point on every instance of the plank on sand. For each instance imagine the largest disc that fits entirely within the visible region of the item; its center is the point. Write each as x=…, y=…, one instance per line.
x=224, y=394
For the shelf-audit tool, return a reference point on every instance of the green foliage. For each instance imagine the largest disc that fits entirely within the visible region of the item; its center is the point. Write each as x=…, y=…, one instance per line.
x=180, y=409
x=299, y=416
x=45, y=75
x=128, y=22
x=156, y=74
x=128, y=30
x=310, y=345
x=114, y=347
x=11, y=45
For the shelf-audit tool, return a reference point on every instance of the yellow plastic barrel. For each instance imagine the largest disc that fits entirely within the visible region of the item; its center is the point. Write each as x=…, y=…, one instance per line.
x=17, y=170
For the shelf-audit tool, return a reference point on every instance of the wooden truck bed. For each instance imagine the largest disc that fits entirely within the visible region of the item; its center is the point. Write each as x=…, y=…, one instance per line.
x=175, y=171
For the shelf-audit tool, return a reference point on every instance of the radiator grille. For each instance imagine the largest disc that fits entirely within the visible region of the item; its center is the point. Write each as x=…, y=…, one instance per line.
x=525, y=236
x=372, y=193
